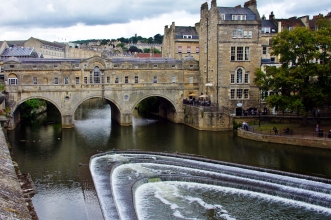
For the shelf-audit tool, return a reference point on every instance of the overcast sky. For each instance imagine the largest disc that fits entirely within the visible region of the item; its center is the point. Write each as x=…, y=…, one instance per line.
x=69, y=20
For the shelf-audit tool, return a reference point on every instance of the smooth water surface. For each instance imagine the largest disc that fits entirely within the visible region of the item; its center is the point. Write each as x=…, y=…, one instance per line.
x=65, y=190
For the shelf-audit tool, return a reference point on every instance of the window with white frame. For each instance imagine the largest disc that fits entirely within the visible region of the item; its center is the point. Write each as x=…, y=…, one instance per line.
x=34, y=80
x=66, y=80
x=265, y=30
x=12, y=81
x=240, y=54
x=187, y=36
x=246, y=79
x=245, y=34
x=264, y=50
x=222, y=16
x=180, y=49
x=234, y=33
x=232, y=77
x=250, y=33
x=173, y=79
x=239, y=76
x=155, y=79
x=188, y=49
x=240, y=32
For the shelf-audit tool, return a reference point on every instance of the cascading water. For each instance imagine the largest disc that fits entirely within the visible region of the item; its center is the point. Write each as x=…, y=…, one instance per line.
x=142, y=185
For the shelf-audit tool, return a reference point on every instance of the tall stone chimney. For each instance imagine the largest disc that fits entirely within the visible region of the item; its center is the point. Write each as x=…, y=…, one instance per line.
x=213, y=3
x=271, y=16
x=251, y=4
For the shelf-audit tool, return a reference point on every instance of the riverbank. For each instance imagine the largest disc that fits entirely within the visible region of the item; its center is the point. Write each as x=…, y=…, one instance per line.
x=294, y=138
x=14, y=202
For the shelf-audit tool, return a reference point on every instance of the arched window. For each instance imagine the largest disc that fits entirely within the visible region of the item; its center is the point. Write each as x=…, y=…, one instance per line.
x=12, y=79
x=239, y=75
x=96, y=75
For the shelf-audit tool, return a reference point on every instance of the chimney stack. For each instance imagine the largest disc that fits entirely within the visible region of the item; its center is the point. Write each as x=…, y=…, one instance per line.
x=271, y=16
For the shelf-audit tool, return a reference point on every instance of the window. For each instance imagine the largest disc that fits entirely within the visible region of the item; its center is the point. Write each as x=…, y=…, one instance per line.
x=265, y=30
x=115, y=66
x=96, y=75
x=234, y=33
x=246, y=53
x=246, y=78
x=232, y=77
x=91, y=79
x=240, y=32
x=173, y=66
x=234, y=17
x=239, y=75
x=108, y=79
x=85, y=80
x=77, y=80
x=250, y=34
x=245, y=34
x=197, y=49
x=116, y=79
x=66, y=80
x=264, y=50
x=191, y=79
x=245, y=93
x=188, y=49
x=11, y=66
x=174, y=79
x=12, y=81
x=56, y=80
x=240, y=53
x=180, y=49
x=126, y=79
x=34, y=80
x=239, y=93
x=187, y=36
x=155, y=65
x=232, y=93
x=238, y=17
x=155, y=79
x=233, y=53
x=222, y=16
x=136, y=80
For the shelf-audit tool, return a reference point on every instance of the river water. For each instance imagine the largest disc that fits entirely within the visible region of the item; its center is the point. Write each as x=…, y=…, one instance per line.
x=65, y=190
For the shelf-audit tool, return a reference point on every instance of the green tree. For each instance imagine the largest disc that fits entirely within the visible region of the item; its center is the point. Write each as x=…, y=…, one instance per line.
x=158, y=38
x=297, y=83
x=120, y=45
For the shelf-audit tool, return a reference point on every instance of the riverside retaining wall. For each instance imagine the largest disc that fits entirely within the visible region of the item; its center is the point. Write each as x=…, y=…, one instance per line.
x=308, y=142
x=12, y=201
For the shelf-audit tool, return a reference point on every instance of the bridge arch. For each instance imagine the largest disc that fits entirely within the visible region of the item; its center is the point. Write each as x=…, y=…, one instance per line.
x=92, y=97
x=155, y=95
x=37, y=97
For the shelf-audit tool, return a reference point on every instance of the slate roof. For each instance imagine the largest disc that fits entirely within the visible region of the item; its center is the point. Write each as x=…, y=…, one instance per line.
x=229, y=11
x=291, y=22
x=53, y=44
x=271, y=24
x=12, y=43
x=183, y=30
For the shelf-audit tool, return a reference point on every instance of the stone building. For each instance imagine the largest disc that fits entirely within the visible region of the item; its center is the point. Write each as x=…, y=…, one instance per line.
x=180, y=42
x=48, y=49
x=231, y=51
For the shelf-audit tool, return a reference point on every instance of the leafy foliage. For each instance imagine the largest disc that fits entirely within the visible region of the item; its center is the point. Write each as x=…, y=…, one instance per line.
x=29, y=109
x=303, y=80
x=150, y=104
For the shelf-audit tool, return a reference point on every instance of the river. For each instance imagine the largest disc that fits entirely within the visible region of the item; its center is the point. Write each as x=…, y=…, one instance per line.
x=65, y=190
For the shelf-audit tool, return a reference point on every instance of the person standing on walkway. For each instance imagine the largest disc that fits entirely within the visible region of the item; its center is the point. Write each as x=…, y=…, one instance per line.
x=275, y=130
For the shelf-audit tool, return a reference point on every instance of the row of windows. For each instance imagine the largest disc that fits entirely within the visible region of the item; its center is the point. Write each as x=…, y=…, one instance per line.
x=188, y=49
x=239, y=33
x=95, y=79
x=239, y=94
x=51, y=47
x=239, y=53
x=46, y=52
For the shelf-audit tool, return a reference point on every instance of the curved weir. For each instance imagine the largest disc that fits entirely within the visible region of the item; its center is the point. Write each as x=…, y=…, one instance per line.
x=144, y=185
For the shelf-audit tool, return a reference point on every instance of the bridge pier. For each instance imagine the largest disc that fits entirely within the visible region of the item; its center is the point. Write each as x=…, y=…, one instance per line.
x=68, y=121
x=125, y=119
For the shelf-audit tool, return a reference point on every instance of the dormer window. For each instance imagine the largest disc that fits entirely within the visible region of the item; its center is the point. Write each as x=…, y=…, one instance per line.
x=238, y=17
x=187, y=36
x=223, y=16
x=265, y=30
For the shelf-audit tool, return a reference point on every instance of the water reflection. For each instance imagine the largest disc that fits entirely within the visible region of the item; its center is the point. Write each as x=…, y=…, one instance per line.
x=63, y=186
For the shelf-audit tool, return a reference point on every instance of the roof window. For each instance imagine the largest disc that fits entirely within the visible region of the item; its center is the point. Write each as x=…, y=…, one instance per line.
x=187, y=36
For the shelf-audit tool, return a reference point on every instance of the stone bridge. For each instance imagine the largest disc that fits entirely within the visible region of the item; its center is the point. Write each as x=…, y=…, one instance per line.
x=123, y=82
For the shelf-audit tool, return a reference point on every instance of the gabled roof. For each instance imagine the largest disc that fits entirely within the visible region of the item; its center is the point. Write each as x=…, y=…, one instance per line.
x=12, y=43
x=53, y=44
x=271, y=24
